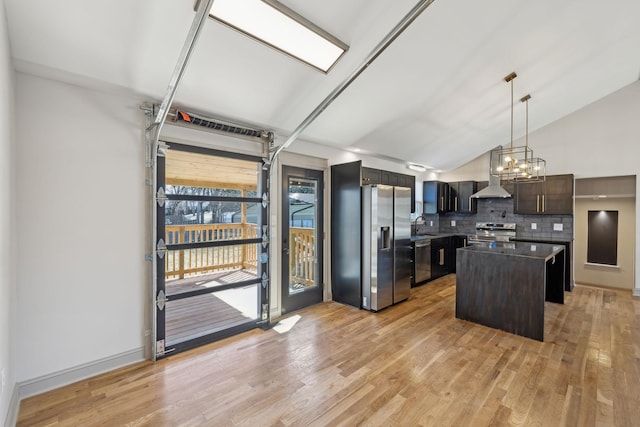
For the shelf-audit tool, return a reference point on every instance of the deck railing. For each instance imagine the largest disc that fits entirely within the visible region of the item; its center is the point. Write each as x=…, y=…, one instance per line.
x=302, y=258
x=190, y=262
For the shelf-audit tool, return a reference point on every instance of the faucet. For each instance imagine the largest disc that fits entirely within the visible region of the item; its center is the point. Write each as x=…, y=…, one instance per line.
x=415, y=223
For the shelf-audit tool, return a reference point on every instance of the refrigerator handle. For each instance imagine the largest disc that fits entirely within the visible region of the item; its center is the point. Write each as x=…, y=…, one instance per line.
x=385, y=238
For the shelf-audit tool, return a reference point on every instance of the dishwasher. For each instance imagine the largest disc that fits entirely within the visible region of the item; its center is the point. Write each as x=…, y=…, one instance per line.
x=422, y=261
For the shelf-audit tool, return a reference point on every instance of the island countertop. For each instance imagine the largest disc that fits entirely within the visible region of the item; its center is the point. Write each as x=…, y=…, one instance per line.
x=531, y=250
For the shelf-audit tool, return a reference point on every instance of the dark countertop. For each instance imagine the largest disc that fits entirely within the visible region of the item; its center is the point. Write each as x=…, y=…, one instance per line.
x=530, y=250
x=434, y=236
x=539, y=240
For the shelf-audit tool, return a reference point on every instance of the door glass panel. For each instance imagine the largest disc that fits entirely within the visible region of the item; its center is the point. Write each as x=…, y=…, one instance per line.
x=196, y=221
x=198, y=268
x=303, y=215
x=194, y=317
x=211, y=222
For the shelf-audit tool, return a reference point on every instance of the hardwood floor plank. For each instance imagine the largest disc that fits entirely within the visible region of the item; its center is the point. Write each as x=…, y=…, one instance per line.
x=413, y=364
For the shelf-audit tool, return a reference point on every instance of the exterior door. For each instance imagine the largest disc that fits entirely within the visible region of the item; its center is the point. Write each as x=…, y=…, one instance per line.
x=211, y=266
x=302, y=241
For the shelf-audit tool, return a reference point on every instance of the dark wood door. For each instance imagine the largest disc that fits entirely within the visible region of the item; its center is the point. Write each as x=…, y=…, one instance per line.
x=440, y=254
x=558, y=199
x=453, y=199
x=528, y=198
x=465, y=204
x=435, y=197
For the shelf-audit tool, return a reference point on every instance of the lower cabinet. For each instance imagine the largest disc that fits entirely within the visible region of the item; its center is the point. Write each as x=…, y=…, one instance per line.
x=437, y=255
x=456, y=242
x=440, y=257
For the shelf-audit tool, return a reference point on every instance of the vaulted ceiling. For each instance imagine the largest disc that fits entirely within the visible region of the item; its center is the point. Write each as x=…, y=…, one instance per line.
x=436, y=96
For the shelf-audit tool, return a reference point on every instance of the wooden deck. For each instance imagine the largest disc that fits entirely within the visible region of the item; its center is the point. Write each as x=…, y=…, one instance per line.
x=194, y=317
x=413, y=364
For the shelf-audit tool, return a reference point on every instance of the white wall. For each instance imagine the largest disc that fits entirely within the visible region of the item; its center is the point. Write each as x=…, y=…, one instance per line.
x=7, y=239
x=617, y=277
x=82, y=281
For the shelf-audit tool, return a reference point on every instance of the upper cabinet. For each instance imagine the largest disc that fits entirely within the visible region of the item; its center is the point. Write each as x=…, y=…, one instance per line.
x=376, y=176
x=370, y=176
x=435, y=197
x=554, y=196
x=460, y=197
x=559, y=195
x=442, y=197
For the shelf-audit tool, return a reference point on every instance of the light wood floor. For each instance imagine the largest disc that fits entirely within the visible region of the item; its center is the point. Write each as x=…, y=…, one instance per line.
x=413, y=364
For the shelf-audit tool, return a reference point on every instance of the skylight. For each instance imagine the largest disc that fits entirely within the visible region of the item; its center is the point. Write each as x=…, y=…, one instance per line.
x=272, y=23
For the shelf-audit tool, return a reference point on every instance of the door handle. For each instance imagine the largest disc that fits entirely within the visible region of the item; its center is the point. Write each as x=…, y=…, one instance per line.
x=543, y=204
x=285, y=251
x=441, y=203
x=470, y=206
x=456, y=204
x=537, y=203
x=441, y=256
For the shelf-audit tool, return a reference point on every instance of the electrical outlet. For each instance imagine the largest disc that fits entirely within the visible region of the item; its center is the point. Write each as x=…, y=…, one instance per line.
x=557, y=227
x=453, y=222
x=534, y=226
x=430, y=223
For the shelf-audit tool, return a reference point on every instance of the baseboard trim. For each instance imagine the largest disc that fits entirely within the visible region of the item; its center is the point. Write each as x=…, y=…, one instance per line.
x=14, y=404
x=68, y=376
x=636, y=292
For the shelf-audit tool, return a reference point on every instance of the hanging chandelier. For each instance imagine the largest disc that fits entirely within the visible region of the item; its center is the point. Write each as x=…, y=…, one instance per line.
x=517, y=163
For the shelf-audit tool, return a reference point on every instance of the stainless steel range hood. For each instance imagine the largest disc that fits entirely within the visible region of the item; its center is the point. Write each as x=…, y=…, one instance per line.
x=493, y=191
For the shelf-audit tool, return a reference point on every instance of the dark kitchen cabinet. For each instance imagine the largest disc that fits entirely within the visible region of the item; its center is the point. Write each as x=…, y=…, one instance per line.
x=529, y=198
x=440, y=257
x=554, y=196
x=377, y=176
x=346, y=233
x=460, y=200
x=456, y=242
x=371, y=176
x=389, y=178
x=559, y=197
x=435, y=197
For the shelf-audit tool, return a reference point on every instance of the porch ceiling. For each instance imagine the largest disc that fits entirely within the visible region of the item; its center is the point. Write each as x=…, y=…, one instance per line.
x=193, y=169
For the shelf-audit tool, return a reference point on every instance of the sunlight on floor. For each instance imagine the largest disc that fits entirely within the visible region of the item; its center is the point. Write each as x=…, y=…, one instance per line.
x=242, y=299
x=285, y=325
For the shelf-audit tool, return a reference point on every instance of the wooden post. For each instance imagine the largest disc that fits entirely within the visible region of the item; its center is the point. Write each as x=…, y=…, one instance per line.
x=243, y=221
x=180, y=269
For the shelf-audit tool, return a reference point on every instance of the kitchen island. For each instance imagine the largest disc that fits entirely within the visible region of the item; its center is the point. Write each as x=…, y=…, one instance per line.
x=505, y=285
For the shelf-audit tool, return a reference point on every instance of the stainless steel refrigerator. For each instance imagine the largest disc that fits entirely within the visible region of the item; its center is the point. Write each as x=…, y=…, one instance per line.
x=386, y=245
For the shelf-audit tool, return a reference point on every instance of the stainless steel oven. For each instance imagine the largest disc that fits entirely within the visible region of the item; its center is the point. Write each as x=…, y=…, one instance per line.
x=493, y=232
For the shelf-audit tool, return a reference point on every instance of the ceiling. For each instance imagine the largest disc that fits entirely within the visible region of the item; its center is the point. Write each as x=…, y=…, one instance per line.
x=436, y=96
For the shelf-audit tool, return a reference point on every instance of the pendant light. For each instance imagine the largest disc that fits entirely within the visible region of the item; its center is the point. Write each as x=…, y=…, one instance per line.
x=517, y=163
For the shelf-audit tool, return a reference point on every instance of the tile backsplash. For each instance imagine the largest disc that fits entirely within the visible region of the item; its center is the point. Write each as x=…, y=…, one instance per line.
x=500, y=210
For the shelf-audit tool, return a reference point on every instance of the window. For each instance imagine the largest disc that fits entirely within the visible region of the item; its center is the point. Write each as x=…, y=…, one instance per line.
x=602, y=237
